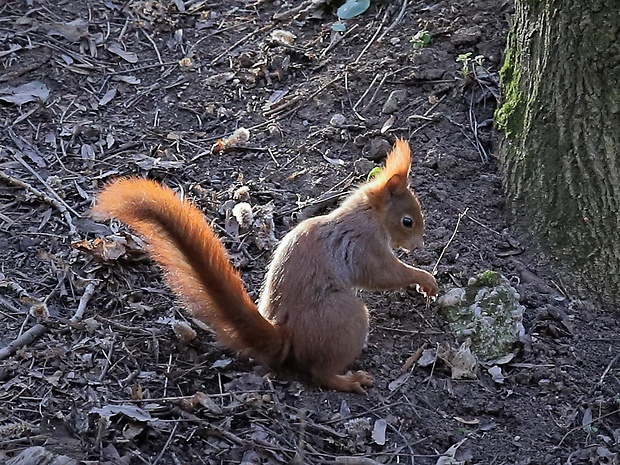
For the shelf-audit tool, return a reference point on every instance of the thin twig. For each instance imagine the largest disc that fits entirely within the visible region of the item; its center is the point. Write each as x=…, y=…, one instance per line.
x=372, y=83
x=121, y=35
x=133, y=330
x=86, y=296
x=402, y=436
x=15, y=287
x=302, y=433
x=45, y=198
x=191, y=50
x=283, y=106
x=338, y=41
x=396, y=21
x=150, y=39
x=316, y=203
x=479, y=223
x=374, y=95
x=108, y=358
x=142, y=68
x=167, y=378
x=430, y=377
x=363, y=414
x=53, y=193
x=170, y=438
x=9, y=306
x=611, y=364
x=239, y=42
x=420, y=128
x=303, y=8
x=346, y=87
x=24, y=323
x=456, y=228
x=427, y=112
x=271, y=112
x=27, y=338
x=138, y=96
x=460, y=126
x=372, y=41
x=354, y=460
x=473, y=125
x=594, y=420
x=38, y=330
x=258, y=443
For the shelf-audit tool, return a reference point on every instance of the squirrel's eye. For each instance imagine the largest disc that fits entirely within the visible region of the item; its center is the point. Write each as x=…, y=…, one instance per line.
x=407, y=222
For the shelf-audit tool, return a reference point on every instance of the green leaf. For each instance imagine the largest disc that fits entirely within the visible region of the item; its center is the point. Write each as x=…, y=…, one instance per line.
x=421, y=39
x=339, y=27
x=373, y=172
x=464, y=57
x=352, y=8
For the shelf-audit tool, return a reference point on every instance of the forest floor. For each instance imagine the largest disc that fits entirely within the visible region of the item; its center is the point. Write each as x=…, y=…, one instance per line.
x=90, y=363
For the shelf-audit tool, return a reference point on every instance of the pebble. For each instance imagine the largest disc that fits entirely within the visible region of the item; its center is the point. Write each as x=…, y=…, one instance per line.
x=338, y=120
x=394, y=101
x=466, y=36
x=378, y=149
x=363, y=166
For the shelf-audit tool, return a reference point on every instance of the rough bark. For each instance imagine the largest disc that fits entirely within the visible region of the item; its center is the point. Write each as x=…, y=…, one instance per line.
x=561, y=118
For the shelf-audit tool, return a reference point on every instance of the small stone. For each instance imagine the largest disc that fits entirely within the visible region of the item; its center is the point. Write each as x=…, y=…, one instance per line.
x=452, y=297
x=378, y=149
x=466, y=36
x=394, y=101
x=361, y=140
x=363, y=166
x=283, y=37
x=274, y=131
x=427, y=74
x=338, y=120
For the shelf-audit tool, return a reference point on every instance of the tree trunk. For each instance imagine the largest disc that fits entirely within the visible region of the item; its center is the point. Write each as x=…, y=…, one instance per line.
x=561, y=119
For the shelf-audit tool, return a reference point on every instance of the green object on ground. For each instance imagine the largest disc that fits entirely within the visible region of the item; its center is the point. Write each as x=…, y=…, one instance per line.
x=486, y=311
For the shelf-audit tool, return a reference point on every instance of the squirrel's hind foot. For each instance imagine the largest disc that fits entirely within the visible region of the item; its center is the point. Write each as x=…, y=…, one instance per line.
x=351, y=382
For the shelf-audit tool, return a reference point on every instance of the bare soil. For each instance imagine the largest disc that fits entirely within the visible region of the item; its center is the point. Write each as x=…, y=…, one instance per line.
x=144, y=88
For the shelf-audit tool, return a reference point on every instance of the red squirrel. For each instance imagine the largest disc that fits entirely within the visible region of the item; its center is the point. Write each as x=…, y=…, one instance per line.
x=309, y=317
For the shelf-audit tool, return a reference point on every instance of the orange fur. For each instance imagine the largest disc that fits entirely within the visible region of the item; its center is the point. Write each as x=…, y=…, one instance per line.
x=196, y=264
x=309, y=316
x=397, y=164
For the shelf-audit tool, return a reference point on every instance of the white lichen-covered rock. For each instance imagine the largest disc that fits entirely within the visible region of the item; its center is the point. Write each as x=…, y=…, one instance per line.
x=486, y=311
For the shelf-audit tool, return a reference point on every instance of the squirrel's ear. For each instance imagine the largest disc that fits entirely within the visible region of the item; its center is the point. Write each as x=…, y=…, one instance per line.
x=396, y=184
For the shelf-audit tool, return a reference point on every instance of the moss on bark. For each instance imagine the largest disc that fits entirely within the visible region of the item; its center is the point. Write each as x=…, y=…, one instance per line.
x=510, y=115
x=561, y=118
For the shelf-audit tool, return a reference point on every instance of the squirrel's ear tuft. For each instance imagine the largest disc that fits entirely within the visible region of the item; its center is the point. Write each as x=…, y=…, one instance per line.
x=394, y=177
x=399, y=159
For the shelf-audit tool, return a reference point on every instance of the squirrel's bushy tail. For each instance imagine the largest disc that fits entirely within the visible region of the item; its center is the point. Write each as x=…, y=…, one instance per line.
x=195, y=262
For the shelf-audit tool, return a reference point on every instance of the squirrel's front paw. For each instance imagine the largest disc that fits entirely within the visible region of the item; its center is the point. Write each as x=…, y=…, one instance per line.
x=427, y=284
